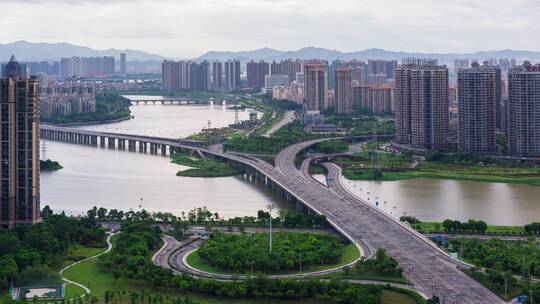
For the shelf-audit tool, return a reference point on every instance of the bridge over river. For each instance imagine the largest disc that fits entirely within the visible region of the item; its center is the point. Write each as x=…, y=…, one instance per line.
x=430, y=269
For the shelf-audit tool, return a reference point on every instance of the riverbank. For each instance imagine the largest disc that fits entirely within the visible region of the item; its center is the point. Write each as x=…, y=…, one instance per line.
x=383, y=166
x=109, y=107
x=202, y=167
x=95, y=122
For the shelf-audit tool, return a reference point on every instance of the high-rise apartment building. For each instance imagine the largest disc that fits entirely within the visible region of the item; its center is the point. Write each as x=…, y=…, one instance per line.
x=123, y=63
x=86, y=66
x=477, y=104
x=217, y=75
x=421, y=104
x=232, y=75
x=343, y=91
x=524, y=110
x=19, y=138
x=315, y=87
x=255, y=74
x=378, y=99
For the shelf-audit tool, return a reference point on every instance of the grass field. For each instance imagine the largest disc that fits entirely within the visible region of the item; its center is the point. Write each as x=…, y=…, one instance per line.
x=368, y=275
x=389, y=296
x=351, y=253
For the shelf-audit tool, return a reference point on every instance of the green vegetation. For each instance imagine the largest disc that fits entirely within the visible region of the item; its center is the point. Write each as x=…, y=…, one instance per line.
x=36, y=252
x=249, y=252
x=215, y=135
x=109, y=107
x=502, y=260
x=291, y=134
x=471, y=226
x=332, y=146
x=203, y=167
x=516, y=257
x=499, y=282
x=129, y=262
x=350, y=254
x=382, y=268
x=49, y=165
x=373, y=164
x=361, y=124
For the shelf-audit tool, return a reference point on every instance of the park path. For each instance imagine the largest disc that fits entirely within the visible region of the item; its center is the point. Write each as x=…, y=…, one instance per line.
x=86, y=289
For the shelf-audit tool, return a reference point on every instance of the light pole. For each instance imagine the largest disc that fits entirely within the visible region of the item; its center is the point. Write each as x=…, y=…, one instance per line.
x=270, y=207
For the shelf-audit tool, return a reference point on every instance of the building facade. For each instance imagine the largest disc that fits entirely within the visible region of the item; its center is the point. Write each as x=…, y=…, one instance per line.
x=421, y=104
x=524, y=111
x=378, y=99
x=315, y=87
x=19, y=137
x=123, y=63
x=256, y=71
x=232, y=75
x=343, y=91
x=477, y=104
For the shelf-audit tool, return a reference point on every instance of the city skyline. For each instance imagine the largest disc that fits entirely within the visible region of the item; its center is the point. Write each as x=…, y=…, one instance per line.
x=445, y=26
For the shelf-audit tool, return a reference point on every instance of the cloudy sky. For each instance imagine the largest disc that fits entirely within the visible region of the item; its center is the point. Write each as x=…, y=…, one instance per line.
x=186, y=28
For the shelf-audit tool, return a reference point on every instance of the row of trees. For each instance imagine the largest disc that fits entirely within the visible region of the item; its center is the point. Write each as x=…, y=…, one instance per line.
x=201, y=215
x=469, y=226
x=29, y=253
x=532, y=228
x=246, y=252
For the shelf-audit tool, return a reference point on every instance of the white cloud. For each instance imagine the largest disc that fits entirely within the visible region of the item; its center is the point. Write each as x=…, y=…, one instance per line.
x=189, y=27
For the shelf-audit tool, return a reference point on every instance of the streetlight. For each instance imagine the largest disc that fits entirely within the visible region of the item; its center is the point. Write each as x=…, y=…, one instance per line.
x=270, y=207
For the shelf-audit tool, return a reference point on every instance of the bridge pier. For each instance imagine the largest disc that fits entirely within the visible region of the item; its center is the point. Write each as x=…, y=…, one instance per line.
x=94, y=140
x=111, y=142
x=153, y=149
x=121, y=144
x=163, y=150
x=142, y=147
x=131, y=145
x=102, y=141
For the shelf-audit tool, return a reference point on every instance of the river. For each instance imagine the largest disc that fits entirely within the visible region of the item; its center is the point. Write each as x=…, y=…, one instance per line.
x=118, y=179
x=439, y=199
x=123, y=180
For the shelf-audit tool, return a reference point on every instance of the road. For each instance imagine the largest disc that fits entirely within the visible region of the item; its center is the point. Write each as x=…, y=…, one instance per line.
x=425, y=265
x=287, y=118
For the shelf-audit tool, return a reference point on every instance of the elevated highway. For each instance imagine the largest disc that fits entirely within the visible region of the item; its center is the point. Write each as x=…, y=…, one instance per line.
x=426, y=266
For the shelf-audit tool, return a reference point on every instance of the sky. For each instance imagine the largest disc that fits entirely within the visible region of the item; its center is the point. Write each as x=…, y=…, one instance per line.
x=188, y=28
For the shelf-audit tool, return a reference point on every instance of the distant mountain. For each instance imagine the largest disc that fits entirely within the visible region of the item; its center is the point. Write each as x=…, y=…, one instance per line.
x=326, y=54
x=29, y=51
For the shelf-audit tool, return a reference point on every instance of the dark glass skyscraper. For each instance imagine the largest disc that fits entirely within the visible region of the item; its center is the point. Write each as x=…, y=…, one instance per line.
x=19, y=153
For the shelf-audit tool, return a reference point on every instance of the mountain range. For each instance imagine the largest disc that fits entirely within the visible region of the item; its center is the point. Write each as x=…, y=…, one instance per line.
x=269, y=54
x=29, y=51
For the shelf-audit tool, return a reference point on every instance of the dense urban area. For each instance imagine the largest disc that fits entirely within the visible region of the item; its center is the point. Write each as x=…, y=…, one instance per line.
x=310, y=127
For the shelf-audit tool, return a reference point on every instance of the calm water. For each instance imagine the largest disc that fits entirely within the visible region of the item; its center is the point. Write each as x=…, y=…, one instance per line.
x=437, y=200
x=123, y=180
x=118, y=179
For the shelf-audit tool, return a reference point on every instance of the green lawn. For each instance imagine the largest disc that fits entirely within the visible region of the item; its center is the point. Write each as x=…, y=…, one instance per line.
x=351, y=253
x=393, y=297
x=89, y=274
x=369, y=275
